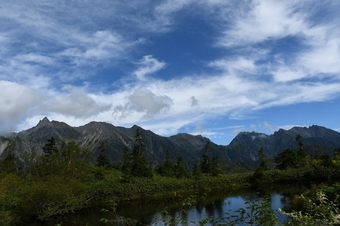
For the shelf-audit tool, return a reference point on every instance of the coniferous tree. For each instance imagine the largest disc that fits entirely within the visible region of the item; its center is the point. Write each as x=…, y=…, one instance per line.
x=263, y=159
x=139, y=163
x=286, y=159
x=167, y=168
x=102, y=159
x=180, y=167
x=301, y=152
x=126, y=161
x=50, y=147
x=196, y=172
x=205, y=163
x=215, y=168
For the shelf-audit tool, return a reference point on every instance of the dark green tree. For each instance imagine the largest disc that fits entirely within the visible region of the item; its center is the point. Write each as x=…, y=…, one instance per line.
x=263, y=159
x=286, y=159
x=167, y=168
x=205, y=163
x=180, y=167
x=139, y=163
x=126, y=161
x=215, y=168
x=196, y=171
x=301, y=152
x=50, y=147
x=102, y=159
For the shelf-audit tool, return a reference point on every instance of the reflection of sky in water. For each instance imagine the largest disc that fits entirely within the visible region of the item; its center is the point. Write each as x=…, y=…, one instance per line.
x=219, y=208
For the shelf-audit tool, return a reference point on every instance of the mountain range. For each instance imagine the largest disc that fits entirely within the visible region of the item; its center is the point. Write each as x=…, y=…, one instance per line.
x=242, y=151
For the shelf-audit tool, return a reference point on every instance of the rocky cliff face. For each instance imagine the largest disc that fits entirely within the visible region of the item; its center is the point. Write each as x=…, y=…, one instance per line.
x=243, y=149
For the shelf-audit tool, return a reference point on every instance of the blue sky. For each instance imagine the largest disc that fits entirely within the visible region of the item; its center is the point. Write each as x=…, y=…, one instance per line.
x=209, y=67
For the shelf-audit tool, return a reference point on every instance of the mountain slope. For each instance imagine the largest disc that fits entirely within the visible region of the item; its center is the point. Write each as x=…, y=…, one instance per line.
x=243, y=150
x=245, y=145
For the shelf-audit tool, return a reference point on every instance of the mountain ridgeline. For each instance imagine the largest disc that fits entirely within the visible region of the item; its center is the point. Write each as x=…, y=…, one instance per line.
x=242, y=151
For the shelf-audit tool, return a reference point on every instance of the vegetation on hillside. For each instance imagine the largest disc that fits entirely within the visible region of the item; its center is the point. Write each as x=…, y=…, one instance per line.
x=64, y=180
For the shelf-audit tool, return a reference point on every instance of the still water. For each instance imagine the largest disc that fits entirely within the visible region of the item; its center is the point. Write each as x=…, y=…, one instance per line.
x=216, y=203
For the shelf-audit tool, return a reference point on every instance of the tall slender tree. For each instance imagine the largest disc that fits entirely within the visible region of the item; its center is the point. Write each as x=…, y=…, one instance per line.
x=139, y=163
x=263, y=159
x=102, y=159
x=167, y=168
x=180, y=167
x=215, y=168
x=205, y=163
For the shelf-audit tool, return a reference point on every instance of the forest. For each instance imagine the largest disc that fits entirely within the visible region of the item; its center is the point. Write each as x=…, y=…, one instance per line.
x=64, y=180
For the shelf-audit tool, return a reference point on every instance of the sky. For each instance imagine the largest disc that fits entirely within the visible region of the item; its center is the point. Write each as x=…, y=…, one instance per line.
x=205, y=67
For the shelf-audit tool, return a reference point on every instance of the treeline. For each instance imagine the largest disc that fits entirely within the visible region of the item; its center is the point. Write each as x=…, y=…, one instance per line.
x=135, y=163
x=297, y=165
x=63, y=180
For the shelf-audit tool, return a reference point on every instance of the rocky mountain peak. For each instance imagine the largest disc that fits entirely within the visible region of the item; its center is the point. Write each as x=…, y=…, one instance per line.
x=44, y=121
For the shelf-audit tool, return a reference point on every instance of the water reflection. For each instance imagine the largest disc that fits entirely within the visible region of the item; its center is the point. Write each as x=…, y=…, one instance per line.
x=215, y=204
x=216, y=208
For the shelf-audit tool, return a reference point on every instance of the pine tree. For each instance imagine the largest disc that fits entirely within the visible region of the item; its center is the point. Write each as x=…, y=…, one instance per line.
x=215, y=168
x=102, y=159
x=167, y=168
x=180, y=167
x=205, y=163
x=50, y=147
x=196, y=172
x=301, y=153
x=139, y=164
x=263, y=159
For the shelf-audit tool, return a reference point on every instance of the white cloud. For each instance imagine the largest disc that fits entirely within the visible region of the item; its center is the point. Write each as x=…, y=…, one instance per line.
x=17, y=102
x=262, y=20
x=75, y=102
x=145, y=102
x=238, y=65
x=148, y=65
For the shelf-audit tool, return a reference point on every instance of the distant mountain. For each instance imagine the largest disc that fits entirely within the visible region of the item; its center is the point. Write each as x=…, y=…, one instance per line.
x=244, y=147
x=242, y=151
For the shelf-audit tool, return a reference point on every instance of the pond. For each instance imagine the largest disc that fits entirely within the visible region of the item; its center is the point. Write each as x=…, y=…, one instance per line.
x=215, y=203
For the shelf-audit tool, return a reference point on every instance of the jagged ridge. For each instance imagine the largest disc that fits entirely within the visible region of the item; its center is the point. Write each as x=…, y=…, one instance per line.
x=242, y=150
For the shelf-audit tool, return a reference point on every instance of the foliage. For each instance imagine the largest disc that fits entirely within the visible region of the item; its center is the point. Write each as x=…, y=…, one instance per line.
x=167, y=168
x=205, y=163
x=286, y=159
x=196, y=171
x=180, y=170
x=179, y=219
x=63, y=180
x=116, y=218
x=50, y=147
x=135, y=163
x=102, y=159
x=7, y=165
x=263, y=159
x=320, y=211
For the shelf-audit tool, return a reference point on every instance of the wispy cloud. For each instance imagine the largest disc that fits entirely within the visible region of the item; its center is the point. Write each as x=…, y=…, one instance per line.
x=148, y=65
